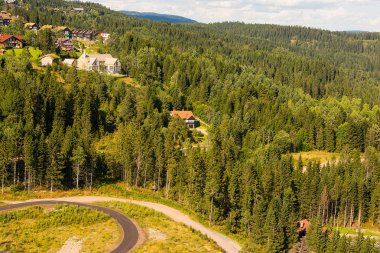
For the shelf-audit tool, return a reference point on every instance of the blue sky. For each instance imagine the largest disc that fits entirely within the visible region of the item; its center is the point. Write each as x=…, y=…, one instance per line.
x=326, y=14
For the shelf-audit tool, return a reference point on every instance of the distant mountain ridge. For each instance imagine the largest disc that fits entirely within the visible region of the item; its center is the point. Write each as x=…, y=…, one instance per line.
x=159, y=17
x=356, y=31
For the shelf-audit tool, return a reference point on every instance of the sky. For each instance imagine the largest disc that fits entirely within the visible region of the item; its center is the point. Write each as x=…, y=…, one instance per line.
x=334, y=15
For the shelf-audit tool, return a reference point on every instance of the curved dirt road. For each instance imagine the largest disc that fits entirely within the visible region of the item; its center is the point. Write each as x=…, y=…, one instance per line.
x=130, y=231
x=226, y=244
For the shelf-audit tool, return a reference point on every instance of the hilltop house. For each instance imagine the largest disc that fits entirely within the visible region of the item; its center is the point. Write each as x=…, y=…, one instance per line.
x=87, y=35
x=64, y=30
x=99, y=62
x=11, y=41
x=187, y=116
x=64, y=44
x=78, y=10
x=49, y=60
x=5, y=18
x=10, y=2
x=32, y=27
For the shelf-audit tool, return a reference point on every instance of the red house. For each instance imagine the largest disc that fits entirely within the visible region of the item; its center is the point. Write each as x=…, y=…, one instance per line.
x=11, y=41
x=187, y=116
x=302, y=227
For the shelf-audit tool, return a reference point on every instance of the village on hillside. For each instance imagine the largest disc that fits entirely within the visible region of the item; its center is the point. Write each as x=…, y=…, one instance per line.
x=77, y=48
x=70, y=44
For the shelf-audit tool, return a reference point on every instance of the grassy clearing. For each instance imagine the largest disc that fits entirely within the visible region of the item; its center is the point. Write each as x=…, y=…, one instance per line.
x=35, y=52
x=91, y=47
x=107, y=144
x=129, y=81
x=365, y=232
x=173, y=237
x=46, y=229
x=316, y=155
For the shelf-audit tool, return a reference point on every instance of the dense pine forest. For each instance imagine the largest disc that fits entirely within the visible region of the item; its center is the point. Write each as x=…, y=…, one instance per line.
x=266, y=91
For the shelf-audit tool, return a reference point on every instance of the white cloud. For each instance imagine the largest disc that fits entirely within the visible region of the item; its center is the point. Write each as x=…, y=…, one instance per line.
x=327, y=14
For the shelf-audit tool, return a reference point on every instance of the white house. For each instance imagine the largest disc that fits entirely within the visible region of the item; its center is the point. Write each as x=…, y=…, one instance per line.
x=187, y=116
x=69, y=62
x=48, y=60
x=99, y=62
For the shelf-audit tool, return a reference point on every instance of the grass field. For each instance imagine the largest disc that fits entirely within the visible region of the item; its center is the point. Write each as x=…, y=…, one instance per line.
x=128, y=80
x=316, y=155
x=35, y=52
x=164, y=235
x=46, y=229
x=366, y=232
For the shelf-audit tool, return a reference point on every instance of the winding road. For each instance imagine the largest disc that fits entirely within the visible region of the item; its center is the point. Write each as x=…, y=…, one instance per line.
x=225, y=243
x=130, y=231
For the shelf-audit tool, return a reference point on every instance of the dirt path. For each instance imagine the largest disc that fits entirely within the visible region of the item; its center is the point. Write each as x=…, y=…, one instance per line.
x=228, y=245
x=72, y=245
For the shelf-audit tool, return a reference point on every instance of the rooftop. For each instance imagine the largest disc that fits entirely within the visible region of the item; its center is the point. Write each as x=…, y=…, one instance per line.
x=4, y=37
x=182, y=114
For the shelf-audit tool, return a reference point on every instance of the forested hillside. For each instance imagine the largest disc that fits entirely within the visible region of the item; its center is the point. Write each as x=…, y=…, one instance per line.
x=266, y=91
x=159, y=17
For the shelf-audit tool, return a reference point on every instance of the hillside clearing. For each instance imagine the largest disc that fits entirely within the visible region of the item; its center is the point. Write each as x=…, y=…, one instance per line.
x=322, y=156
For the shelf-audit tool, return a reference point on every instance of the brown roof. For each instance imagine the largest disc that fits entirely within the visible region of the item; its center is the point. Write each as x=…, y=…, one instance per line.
x=182, y=114
x=5, y=37
x=5, y=15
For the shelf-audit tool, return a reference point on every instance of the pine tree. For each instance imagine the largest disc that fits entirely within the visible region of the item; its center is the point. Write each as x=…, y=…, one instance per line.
x=5, y=159
x=78, y=159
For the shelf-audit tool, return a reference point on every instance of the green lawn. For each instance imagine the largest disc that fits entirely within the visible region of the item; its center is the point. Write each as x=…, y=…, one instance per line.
x=35, y=52
x=365, y=232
